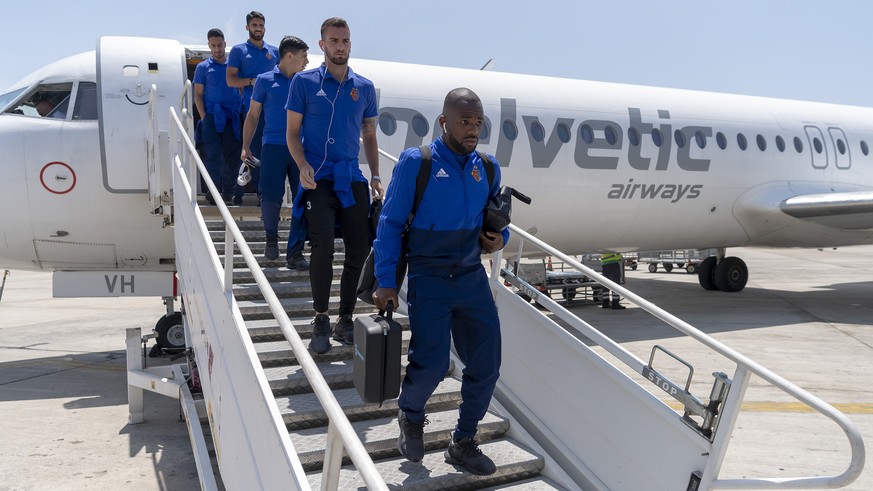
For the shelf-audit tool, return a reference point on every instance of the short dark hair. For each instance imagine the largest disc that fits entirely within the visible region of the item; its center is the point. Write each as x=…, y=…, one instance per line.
x=291, y=44
x=215, y=33
x=333, y=22
x=254, y=14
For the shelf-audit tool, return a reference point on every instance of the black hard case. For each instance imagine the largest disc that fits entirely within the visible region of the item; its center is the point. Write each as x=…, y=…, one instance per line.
x=377, y=357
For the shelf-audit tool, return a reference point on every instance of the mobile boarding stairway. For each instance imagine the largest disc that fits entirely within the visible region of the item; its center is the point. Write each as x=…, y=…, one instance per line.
x=564, y=415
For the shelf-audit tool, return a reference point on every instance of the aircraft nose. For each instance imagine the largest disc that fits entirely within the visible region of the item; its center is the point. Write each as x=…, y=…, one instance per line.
x=16, y=232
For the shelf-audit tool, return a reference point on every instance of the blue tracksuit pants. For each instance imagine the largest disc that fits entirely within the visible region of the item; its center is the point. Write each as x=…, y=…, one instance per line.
x=442, y=308
x=276, y=166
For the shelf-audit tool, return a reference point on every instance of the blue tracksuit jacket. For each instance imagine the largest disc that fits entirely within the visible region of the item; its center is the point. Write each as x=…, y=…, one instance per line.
x=444, y=235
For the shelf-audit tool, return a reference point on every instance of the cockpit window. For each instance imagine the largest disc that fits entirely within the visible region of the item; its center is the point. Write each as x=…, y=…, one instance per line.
x=86, y=102
x=8, y=97
x=46, y=101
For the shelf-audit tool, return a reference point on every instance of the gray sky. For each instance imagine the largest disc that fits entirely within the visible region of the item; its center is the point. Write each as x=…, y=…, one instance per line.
x=802, y=49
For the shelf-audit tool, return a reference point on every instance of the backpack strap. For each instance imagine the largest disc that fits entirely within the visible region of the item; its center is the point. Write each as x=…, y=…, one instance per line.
x=489, y=167
x=421, y=181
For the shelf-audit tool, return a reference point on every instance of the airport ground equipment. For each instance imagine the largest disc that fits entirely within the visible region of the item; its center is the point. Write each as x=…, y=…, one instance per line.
x=566, y=414
x=687, y=259
x=551, y=277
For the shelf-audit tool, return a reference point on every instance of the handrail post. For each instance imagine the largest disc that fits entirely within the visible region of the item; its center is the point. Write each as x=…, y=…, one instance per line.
x=727, y=420
x=333, y=459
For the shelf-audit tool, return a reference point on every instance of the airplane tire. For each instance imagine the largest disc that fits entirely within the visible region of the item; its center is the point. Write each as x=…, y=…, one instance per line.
x=668, y=267
x=171, y=332
x=731, y=274
x=653, y=267
x=706, y=273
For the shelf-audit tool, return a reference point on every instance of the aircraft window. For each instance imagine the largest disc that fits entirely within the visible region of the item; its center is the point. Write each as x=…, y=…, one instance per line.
x=741, y=141
x=721, y=140
x=864, y=148
x=511, y=131
x=798, y=145
x=419, y=125
x=841, y=147
x=817, y=144
x=633, y=136
x=762, y=143
x=563, y=132
x=609, y=133
x=47, y=100
x=680, y=138
x=586, y=133
x=86, y=102
x=780, y=143
x=700, y=138
x=8, y=97
x=387, y=123
x=656, y=137
x=537, y=132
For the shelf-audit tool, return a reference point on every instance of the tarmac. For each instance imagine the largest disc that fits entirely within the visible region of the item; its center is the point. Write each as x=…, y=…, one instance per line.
x=805, y=314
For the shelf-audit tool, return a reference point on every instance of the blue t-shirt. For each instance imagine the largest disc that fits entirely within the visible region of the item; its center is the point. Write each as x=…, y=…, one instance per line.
x=326, y=103
x=271, y=90
x=213, y=76
x=252, y=61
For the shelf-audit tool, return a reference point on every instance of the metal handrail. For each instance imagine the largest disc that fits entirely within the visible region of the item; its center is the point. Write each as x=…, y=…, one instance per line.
x=745, y=364
x=339, y=427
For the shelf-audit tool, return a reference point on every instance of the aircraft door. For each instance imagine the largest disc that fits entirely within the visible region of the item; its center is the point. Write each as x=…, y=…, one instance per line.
x=817, y=147
x=841, y=144
x=126, y=70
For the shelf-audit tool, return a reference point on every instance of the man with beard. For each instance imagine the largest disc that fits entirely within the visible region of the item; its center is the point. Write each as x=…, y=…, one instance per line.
x=449, y=297
x=244, y=63
x=331, y=108
x=218, y=106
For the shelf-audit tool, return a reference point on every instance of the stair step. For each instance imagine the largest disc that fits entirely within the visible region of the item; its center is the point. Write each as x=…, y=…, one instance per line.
x=536, y=484
x=294, y=307
x=299, y=288
x=257, y=249
x=278, y=274
x=287, y=380
x=279, y=353
x=379, y=436
x=513, y=462
x=305, y=411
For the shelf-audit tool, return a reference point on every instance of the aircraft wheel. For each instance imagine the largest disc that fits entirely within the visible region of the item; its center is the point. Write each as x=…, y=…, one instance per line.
x=706, y=273
x=171, y=332
x=731, y=274
x=668, y=267
x=691, y=269
x=653, y=267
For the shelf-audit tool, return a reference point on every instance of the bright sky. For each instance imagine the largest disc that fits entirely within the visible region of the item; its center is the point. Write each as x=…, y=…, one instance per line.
x=800, y=49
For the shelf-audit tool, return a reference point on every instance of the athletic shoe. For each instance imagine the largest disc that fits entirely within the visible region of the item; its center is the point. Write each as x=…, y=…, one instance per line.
x=344, y=331
x=411, y=439
x=271, y=251
x=298, y=262
x=320, y=342
x=466, y=453
x=237, y=201
x=618, y=306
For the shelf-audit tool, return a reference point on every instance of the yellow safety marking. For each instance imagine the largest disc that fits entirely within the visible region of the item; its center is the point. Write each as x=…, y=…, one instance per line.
x=793, y=407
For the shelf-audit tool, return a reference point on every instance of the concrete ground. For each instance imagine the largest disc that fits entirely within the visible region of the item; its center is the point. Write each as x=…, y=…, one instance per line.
x=805, y=314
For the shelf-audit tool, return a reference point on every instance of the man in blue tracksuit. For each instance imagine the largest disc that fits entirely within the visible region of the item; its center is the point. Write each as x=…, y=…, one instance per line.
x=270, y=94
x=448, y=293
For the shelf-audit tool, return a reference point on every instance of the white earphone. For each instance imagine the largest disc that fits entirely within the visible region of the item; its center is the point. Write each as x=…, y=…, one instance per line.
x=444, y=128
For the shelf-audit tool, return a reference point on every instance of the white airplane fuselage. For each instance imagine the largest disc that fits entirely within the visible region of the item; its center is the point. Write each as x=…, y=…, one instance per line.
x=585, y=152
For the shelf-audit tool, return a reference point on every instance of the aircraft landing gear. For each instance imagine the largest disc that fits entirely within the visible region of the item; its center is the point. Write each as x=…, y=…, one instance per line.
x=170, y=330
x=729, y=274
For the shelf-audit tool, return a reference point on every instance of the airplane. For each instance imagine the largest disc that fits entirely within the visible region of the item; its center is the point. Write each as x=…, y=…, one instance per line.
x=609, y=166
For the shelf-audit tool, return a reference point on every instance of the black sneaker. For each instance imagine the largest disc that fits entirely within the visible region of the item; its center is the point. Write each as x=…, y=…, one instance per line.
x=237, y=201
x=271, y=250
x=344, y=331
x=411, y=439
x=605, y=305
x=320, y=342
x=210, y=199
x=298, y=262
x=618, y=306
x=466, y=454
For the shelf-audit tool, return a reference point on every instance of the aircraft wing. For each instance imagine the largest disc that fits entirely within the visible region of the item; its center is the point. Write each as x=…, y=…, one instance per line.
x=851, y=210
